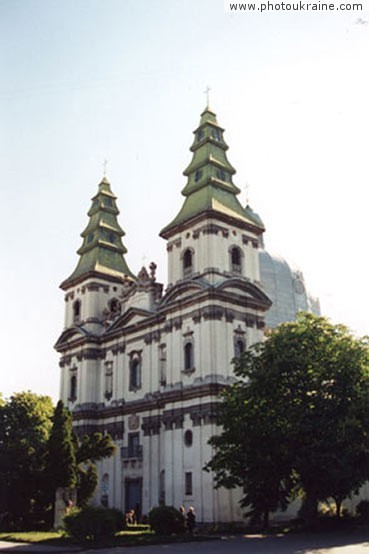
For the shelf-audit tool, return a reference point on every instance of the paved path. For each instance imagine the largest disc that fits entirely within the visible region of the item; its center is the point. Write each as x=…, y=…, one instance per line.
x=336, y=543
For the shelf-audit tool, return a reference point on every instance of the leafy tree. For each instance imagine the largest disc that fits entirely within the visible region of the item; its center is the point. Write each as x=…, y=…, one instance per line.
x=71, y=461
x=90, y=449
x=61, y=459
x=299, y=412
x=25, y=423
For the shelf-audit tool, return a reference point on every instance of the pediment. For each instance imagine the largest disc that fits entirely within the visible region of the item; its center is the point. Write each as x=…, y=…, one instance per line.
x=69, y=335
x=131, y=317
x=180, y=291
x=241, y=287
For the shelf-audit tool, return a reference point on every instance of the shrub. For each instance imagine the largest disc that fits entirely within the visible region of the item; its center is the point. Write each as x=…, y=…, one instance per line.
x=166, y=520
x=93, y=523
x=362, y=510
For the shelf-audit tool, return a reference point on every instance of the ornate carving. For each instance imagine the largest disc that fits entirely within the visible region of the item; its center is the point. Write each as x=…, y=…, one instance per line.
x=196, y=318
x=151, y=425
x=230, y=315
x=177, y=322
x=152, y=268
x=133, y=422
x=212, y=312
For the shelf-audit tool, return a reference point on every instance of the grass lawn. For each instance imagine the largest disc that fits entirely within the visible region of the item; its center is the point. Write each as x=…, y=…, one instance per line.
x=133, y=536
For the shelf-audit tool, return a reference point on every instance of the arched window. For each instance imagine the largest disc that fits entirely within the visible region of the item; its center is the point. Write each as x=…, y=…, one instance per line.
x=73, y=387
x=114, y=306
x=187, y=262
x=135, y=372
x=76, y=310
x=239, y=348
x=236, y=260
x=188, y=437
x=188, y=356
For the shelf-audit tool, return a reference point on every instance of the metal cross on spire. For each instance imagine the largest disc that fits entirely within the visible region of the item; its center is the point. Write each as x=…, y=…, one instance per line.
x=247, y=191
x=105, y=166
x=206, y=91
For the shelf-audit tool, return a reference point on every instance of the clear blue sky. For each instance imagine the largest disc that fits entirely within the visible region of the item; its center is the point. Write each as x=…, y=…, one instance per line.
x=85, y=80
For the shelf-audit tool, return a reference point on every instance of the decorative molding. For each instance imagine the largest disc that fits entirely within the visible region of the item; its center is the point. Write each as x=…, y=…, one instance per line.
x=155, y=401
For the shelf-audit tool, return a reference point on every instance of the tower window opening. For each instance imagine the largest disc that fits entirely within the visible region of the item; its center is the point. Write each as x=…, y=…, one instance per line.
x=76, y=310
x=135, y=373
x=114, y=306
x=198, y=175
x=200, y=135
x=187, y=262
x=236, y=260
x=221, y=175
x=73, y=387
x=188, y=356
x=216, y=134
x=90, y=237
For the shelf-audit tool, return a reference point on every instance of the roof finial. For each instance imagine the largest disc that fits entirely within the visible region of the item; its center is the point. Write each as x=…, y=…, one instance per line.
x=247, y=192
x=206, y=91
x=104, y=166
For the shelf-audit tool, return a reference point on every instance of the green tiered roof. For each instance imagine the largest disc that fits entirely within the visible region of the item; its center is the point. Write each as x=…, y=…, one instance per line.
x=209, y=185
x=102, y=251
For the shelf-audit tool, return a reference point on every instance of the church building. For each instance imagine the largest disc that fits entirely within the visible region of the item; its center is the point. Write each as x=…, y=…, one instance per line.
x=147, y=364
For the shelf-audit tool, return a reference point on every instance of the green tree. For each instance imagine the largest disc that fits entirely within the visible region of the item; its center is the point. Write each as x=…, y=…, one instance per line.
x=25, y=423
x=300, y=411
x=61, y=459
x=90, y=449
x=71, y=460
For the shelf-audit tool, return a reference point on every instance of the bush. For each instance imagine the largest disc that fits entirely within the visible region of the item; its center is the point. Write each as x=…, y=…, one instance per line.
x=362, y=510
x=166, y=520
x=93, y=524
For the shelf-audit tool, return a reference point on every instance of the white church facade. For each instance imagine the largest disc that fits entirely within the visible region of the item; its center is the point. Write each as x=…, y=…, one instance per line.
x=146, y=364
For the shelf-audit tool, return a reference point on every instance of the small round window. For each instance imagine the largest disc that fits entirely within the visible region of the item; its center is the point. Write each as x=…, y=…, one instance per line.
x=188, y=438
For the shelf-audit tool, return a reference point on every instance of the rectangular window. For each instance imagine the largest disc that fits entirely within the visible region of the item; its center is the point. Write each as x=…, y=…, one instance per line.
x=108, y=380
x=135, y=371
x=188, y=483
x=163, y=364
x=133, y=445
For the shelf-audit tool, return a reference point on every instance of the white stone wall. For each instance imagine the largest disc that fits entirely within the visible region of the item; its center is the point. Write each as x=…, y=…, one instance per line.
x=213, y=251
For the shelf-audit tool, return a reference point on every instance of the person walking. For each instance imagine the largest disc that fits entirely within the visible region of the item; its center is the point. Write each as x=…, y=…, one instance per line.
x=191, y=520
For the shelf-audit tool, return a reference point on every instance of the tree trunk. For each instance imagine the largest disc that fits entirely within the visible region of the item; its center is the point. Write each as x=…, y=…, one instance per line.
x=266, y=520
x=309, y=509
x=338, y=502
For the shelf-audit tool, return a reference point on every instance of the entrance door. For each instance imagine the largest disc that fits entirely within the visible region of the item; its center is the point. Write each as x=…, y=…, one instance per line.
x=133, y=495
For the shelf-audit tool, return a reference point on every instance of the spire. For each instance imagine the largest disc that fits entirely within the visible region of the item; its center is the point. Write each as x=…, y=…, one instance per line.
x=102, y=251
x=210, y=189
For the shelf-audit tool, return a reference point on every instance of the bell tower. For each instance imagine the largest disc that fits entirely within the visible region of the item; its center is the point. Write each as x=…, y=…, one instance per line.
x=91, y=293
x=212, y=236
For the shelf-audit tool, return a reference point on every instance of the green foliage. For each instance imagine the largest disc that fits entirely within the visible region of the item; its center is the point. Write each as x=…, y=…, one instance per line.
x=25, y=424
x=298, y=415
x=95, y=447
x=87, y=483
x=93, y=524
x=89, y=449
x=166, y=520
x=39, y=453
x=61, y=459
